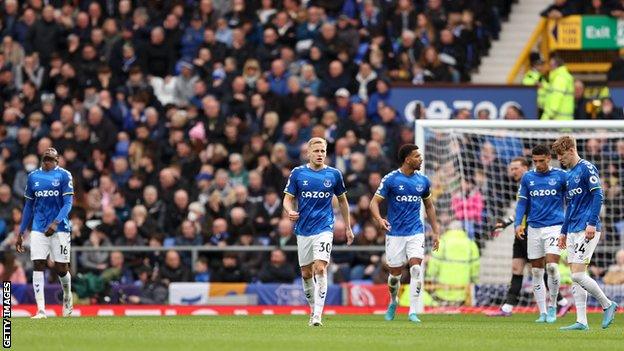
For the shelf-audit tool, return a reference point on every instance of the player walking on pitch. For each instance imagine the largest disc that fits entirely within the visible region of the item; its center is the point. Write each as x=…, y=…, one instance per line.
x=580, y=232
x=314, y=185
x=517, y=168
x=49, y=195
x=540, y=198
x=405, y=189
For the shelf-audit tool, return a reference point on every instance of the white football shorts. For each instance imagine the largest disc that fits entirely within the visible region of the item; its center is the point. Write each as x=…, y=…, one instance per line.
x=314, y=248
x=580, y=250
x=542, y=241
x=58, y=246
x=399, y=249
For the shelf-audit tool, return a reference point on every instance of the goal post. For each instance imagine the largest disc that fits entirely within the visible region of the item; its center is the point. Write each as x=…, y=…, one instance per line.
x=467, y=162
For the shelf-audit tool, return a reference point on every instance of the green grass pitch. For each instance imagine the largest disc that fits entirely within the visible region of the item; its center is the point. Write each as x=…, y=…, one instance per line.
x=436, y=333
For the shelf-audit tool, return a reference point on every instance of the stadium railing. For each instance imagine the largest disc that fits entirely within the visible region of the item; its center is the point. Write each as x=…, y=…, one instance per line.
x=196, y=250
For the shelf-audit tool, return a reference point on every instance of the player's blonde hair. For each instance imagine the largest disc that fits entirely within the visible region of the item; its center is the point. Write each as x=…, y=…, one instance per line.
x=564, y=144
x=317, y=140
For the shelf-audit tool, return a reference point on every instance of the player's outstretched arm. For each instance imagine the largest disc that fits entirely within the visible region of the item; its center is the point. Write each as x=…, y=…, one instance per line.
x=433, y=221
x=289, y=207
x=343, y=204
x=382, y=223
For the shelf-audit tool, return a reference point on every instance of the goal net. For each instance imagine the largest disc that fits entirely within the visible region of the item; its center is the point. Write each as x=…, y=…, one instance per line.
x=468, y=163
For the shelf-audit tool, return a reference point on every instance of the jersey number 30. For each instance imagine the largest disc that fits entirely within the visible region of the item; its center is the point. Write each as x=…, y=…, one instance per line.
x=325, y=247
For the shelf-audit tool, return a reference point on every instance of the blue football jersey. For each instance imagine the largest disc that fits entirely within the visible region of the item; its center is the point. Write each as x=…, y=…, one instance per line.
x=314, y=191
x=404, y=195
x=46, y=190
x=582, y=180
x=545, y=193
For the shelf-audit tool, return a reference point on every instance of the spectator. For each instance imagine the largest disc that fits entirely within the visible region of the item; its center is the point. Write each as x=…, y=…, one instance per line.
x=11, y=269
x=285, y=236
x=173, y=270
x=559, y=9
x=559, y=103
x=159, y=59
x=96, y=261
x=117, y=271
x=537, y=76
x=615, y=273
x=238, y=173
x=7, y=202
x=28, y=70
x=336, y=79
x=580, y=101
x=30, y=163
x=251, y=262
x=229, y=271
x=153, y=292
x=366, y=81
x=366, y=264
x=177, y=212
x=277, y=270
x=434, y=70
x=239, y=225
x=597, y=7
x=189, y=236
x=45, y=35
x=341, y=261
x=131, y=238
x=468, y=206
x=608, y=110
x=455, y=263
x=202, y=274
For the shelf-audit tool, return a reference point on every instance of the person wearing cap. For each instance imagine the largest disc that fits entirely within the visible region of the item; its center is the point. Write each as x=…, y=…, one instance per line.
x=536, y=75
x=183, y=87
x=49, y=196
x=343, y=103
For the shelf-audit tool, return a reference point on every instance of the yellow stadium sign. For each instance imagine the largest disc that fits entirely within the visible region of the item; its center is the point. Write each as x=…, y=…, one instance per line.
x=566, y=33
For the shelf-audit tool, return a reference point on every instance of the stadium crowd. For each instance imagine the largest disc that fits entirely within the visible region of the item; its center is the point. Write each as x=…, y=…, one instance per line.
x=181, y=120
x=562, y=8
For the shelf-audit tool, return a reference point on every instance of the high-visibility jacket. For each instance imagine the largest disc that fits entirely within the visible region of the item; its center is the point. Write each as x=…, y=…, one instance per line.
x=565, y=275
x=559, y=103
x=454, y=266
x=534, y=77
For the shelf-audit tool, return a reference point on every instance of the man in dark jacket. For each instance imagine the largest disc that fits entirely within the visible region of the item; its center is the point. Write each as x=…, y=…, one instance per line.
x=230, y=270
x=173, y=271
x=103, y=131
x=45, y=35
x=159, y=58
x=277, y=270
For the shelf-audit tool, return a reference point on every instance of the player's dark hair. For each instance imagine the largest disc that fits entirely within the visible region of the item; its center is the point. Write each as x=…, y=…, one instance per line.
x=540, y=150
x=523, y=161
x=405, y=151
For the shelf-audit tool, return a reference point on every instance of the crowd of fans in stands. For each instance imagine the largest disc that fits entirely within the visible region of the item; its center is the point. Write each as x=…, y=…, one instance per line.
x=181, y=120
x=562, y=8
